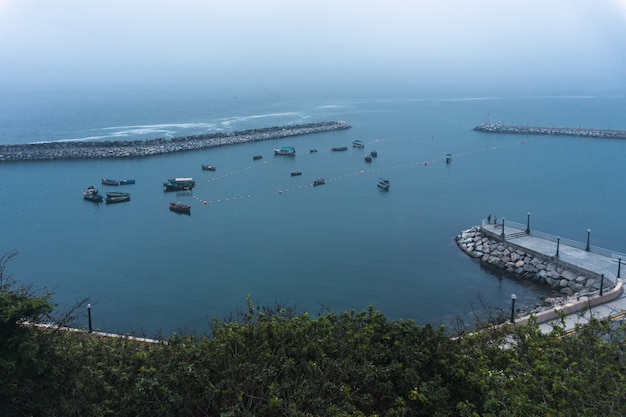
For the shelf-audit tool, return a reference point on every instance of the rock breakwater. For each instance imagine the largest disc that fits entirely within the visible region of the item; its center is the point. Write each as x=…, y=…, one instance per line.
x=561, y=131
x=144, y=148
x=523, y=264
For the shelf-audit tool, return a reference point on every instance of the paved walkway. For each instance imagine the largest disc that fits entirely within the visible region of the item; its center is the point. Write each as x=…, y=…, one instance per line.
x=612, y=302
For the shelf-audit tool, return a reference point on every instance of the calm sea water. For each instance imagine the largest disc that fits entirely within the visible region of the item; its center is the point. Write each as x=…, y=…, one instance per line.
x=344, y=245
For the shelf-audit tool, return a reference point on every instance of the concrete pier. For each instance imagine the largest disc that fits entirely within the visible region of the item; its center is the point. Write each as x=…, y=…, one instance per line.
x=561, y=131
x=145, y=148
x=600, y=268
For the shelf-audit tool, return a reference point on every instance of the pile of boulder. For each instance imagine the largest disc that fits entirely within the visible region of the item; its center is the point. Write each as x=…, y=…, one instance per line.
x=144, y=148
x=517, y=261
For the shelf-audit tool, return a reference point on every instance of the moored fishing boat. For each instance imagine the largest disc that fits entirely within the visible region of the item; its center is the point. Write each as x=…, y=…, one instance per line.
x=90, y=190
x=285, y=151
x=374, y=154
x=127, y=181
x=180, y=207
x=208, y=168
x=448, y=158
x=319, y=181
x=179, y=184
x=257, y=157
x=108, y=181
x=95, y=198
x=383, y=184
x=339, y=148
x=91, y=194
x=117, y=197
x=368, y=158
x=358, y=144
x=296, y=173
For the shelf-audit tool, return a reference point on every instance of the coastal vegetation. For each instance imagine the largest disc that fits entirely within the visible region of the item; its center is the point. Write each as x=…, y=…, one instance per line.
x=272, y=361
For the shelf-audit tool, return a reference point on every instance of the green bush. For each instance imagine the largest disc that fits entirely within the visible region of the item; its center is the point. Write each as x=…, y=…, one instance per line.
x=274, y=362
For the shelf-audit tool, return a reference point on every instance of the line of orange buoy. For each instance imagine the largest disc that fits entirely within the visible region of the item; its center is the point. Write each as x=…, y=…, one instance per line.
x=407, y=165
x=222, y=200
x=224, y=176
x=239, y=171
x=281, y=191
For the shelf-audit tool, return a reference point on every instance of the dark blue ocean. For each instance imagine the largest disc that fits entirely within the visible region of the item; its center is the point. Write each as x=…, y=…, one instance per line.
x=256, y=230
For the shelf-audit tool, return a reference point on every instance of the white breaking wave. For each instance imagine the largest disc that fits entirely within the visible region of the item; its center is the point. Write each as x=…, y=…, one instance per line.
x=170, y=130
x=229, y=121
x=165, y=127
x=331, y=106
x=167, y=130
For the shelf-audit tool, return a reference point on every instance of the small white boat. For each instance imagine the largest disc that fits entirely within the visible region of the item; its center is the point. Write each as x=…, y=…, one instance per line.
x=92, y=194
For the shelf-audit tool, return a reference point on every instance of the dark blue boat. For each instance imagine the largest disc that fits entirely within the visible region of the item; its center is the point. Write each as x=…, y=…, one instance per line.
x=383, y=184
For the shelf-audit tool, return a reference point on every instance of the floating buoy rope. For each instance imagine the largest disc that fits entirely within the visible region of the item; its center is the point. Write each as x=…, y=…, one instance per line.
x=281, y=191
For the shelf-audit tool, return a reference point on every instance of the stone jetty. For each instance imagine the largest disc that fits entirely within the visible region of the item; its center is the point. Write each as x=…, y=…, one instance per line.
x=515, y=261
x=561, y=131
x=145, y=148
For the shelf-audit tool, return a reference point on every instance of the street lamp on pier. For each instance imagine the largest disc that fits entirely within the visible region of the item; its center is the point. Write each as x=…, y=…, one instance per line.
x=513, y=297
x=89, y=317
x=601, y=284
x=558, y=242
x=588, y=248
x=502, y=235
x=528, y=223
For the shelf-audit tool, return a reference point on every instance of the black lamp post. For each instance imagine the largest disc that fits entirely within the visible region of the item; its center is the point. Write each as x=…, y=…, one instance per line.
x=89, y=317
x=558, y=242
x=619, y=267
x=601, y=284
x=513, y=297
x=588, y=248
x=502, y=235
x=528, y=223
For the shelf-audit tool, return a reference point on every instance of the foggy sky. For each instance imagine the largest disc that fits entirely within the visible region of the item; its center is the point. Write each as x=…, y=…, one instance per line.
x=534, y=46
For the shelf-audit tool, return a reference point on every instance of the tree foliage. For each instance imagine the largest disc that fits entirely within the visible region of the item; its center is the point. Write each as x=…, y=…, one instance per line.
x=22, y=351
x=273, y=362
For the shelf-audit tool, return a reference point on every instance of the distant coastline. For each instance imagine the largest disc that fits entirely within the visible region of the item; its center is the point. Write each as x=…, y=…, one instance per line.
x=144, y=148
x=561, y=131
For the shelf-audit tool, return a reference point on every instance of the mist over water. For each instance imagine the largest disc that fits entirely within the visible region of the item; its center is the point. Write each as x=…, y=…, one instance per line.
x=344, y=245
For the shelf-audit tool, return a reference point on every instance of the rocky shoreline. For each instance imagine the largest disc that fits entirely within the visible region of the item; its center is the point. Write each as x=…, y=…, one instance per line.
x=522, y=264
x=145, y=148
x=561, y=131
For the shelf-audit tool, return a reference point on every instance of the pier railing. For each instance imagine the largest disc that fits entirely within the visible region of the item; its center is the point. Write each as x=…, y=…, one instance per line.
x=594, y=249
x=610, y=276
